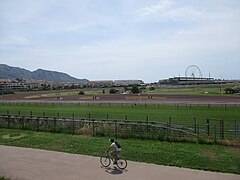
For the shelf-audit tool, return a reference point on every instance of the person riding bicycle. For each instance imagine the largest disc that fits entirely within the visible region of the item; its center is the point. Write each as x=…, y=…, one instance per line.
x=114, y=149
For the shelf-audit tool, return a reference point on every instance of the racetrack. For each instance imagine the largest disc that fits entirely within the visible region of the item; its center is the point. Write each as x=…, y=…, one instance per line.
x=28, y=164
x=122, y=98
x=33, y=164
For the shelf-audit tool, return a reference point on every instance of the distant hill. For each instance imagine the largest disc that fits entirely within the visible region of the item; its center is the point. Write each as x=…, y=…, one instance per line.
x=8, y=72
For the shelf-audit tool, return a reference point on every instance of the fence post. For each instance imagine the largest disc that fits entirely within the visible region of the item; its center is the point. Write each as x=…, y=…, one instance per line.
x=23, y=122
x=140, y=130
x=73, y=126
x=147, y=119
x=8, y=119
x=37, y=123
x=54, y=124
x=207, y=124
x=93, y=128
x=195, y=125
x=115, y=132
x=170, y=124
x=198, y=132
x=223, y=129
x=215, y=134
x=167, y=132
x=235, y=129
x=220, y=129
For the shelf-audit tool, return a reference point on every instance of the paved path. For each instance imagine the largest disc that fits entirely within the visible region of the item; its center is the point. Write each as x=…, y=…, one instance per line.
x=32, y=164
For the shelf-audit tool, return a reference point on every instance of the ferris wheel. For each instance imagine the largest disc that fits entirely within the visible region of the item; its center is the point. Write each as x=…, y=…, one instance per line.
x=193, y=71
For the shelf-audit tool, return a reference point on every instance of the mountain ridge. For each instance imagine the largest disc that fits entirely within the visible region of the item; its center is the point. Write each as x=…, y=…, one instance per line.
x=9, y=72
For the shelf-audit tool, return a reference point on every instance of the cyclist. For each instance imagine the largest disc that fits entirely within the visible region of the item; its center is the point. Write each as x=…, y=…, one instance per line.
x=114, y=149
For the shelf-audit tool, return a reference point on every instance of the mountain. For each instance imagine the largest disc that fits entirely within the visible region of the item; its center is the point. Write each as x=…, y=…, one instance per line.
x=8, y=72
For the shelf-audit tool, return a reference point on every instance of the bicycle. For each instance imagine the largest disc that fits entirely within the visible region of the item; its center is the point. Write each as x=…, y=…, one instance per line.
x=105, y=160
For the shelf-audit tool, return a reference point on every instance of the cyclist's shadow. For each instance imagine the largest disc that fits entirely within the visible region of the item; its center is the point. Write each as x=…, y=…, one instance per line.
x=114, y=170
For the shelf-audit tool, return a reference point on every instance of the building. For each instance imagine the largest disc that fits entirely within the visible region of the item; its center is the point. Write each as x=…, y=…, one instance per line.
x=22, y=85
x=128, y=82
x=7, y=85
x=100, y=83
x=186, y=81
x=111, y=83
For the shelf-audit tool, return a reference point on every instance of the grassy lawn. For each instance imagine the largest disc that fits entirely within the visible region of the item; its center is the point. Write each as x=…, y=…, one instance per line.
x=182, y=115
x=196, y=156
x=212, y=89
x=191, y=90
x=178, y=114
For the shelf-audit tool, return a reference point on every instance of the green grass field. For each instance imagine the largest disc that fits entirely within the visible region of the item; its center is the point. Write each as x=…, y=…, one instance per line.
x=183, y=115
x=204, y=90
x=196, y=156
x=180, y=115
x=192, y=90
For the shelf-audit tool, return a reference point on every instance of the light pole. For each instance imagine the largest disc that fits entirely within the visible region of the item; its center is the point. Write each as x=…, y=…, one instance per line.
x=140, y=98
x=221, y=85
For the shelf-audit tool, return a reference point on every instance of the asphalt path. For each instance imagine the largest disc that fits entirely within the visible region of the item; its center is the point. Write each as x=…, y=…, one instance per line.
x=33, y=164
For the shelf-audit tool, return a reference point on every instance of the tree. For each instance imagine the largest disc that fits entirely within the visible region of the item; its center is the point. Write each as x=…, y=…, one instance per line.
x=112, y=91
x=228, y=90
x=135, y=90
x=152, y=88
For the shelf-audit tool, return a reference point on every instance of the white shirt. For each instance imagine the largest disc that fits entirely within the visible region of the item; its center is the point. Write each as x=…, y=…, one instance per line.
x=115, y=147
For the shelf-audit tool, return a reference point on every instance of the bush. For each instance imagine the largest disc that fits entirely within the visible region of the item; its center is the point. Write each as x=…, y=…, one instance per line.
x=152, y=88
x=135, y=90
x=81, y=93
x=6, y=92
x=232, y=90
x=113, y=91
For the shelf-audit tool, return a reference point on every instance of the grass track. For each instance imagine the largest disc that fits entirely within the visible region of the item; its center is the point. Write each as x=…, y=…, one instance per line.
x=183, y=115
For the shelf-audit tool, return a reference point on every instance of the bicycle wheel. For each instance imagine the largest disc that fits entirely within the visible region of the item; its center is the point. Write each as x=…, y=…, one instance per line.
x=121, y=163
x=105, y=161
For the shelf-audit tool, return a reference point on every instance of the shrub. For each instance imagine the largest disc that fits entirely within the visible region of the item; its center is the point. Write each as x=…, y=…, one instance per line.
x=232, y=90
x=152, y=88
x=81, y=93
x=112, y=91
x=6, y=92
x=135, y=90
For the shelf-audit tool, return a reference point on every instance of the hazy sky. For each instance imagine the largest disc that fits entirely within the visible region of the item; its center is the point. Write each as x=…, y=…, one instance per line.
x=122, y=39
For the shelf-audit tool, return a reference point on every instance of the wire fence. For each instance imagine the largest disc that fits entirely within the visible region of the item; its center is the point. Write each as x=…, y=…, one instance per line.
x=214, y=130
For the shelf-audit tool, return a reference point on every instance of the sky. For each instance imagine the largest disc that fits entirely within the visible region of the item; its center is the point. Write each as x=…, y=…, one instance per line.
x=122, y=39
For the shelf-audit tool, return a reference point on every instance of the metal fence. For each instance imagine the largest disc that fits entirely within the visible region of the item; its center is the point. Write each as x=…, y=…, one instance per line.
x=214, y=131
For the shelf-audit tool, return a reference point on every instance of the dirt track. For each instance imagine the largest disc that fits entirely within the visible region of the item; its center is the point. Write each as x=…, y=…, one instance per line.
x=120, y=98
x=32, y=164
